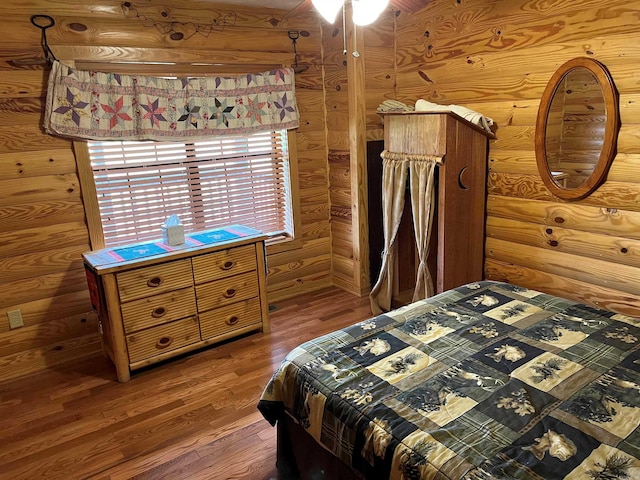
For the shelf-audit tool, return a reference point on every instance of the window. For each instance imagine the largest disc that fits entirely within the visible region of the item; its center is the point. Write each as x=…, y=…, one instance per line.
x=208, y=184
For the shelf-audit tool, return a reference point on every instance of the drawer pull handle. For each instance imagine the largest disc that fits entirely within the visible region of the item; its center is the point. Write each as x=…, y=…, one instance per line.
x=229, y=293
x=232, y=320
x=164, y=342
x=154, y=282
x=159, y=312
x=228, y=265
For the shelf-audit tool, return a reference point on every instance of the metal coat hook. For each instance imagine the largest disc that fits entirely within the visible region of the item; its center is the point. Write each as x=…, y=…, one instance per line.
x=293, y=36
x=43, y=22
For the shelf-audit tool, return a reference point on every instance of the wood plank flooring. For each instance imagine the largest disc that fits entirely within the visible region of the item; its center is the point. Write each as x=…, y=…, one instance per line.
x=191, y=418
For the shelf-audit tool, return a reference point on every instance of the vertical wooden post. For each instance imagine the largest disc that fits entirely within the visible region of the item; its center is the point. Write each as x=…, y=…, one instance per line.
x=358, y=155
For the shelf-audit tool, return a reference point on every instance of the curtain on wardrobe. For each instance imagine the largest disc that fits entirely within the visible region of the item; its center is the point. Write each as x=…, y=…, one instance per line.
x=396, y=167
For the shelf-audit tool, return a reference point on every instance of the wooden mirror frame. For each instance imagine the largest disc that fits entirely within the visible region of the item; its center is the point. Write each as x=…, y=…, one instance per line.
x=612, y=126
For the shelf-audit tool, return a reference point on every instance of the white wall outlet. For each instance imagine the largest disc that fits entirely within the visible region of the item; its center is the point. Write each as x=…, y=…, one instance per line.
x=15, y=319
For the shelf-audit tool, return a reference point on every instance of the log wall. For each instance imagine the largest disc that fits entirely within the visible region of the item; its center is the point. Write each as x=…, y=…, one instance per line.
x=496, y=56
x=42, y=221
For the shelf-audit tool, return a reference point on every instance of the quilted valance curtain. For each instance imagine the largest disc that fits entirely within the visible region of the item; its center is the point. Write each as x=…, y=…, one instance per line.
x=99, y=106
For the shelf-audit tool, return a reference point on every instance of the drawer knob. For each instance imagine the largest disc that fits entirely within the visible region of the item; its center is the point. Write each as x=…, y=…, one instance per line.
x=154, y=282
x=159, y=312
x=164, y=342
x=228, y=265
x=232, y=320
x=229, y=293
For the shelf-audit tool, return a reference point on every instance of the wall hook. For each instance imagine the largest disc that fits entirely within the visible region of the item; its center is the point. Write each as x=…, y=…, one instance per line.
x=43, y=22
x=293, y=36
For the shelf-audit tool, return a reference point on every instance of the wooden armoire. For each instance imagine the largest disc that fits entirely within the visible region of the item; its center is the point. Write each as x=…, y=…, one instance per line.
x=456, y=253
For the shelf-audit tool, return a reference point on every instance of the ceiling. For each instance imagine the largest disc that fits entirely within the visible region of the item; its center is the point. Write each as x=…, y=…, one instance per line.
x=279, y=4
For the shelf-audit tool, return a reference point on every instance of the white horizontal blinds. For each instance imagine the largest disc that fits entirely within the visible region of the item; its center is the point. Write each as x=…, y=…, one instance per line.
x=208, y=184
x=246, y=184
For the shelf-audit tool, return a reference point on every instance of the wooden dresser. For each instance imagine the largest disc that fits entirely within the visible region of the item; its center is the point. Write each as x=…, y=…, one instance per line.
x=156, y=307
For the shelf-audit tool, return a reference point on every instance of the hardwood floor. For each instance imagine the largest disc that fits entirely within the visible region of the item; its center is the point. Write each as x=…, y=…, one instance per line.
x=191, y=418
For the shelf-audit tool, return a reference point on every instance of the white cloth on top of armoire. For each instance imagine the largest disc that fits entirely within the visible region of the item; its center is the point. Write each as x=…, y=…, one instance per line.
x=466, y=113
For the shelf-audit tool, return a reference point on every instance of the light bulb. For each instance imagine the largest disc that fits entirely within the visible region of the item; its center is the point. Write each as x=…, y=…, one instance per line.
x=328, y=8
x=367, y=11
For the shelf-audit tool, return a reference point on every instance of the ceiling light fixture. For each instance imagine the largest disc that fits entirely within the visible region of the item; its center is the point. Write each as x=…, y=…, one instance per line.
x=328, y=8
x=365, y=12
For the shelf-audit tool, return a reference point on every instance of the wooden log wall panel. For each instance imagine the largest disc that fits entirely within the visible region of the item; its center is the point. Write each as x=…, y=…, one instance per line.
x=447, y=30
x=43, y=214
x=380, y=69
x=623, y=195
x=577, y=267
x=40, y=335
x=606, y=221
x=22, y=84
x=36, y=164
x=19, y=242
x=42, y=222
x=44, y=262
x=45, y=286
x=164, y=11
x=585, y=292
x=622, y=250
x=41, y=312
x=496, y=57
x=623, y=169
x=28, y=138
x=39, y=189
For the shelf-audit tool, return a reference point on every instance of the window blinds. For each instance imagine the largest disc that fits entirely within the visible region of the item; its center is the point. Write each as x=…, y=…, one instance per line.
x=208, y=184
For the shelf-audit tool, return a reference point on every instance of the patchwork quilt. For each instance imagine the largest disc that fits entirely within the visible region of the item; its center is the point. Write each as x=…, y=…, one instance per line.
x=486, y=381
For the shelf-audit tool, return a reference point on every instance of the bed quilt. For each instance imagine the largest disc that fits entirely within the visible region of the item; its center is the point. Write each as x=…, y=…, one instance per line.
x=486, y=381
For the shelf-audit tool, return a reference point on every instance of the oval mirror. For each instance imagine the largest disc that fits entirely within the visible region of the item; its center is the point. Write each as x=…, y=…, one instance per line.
x=577, y=129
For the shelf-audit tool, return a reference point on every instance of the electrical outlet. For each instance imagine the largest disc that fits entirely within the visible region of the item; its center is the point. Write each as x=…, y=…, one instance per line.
x=15, y=319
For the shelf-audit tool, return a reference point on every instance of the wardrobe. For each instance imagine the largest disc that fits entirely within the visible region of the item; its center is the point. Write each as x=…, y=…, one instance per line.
x=434, y=176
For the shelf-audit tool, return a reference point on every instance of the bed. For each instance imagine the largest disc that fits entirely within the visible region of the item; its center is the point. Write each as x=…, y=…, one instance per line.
x=485, y=381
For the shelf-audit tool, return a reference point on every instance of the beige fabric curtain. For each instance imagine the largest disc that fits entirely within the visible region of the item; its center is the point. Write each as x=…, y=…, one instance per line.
x=422, y=174
x=394, y=180
x=396, y=167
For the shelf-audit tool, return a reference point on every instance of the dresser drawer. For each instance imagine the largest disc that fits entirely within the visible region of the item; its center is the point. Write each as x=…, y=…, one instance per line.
x=228, y=290
x=158, y=309
x=146, y=281
x=163, y=338
x=225, y=263
x=227, y=319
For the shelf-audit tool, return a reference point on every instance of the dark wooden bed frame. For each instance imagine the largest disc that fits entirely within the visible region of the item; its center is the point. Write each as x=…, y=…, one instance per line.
x=301, y=458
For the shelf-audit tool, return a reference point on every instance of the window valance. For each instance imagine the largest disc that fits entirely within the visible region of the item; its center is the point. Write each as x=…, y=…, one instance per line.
x=99, y=106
